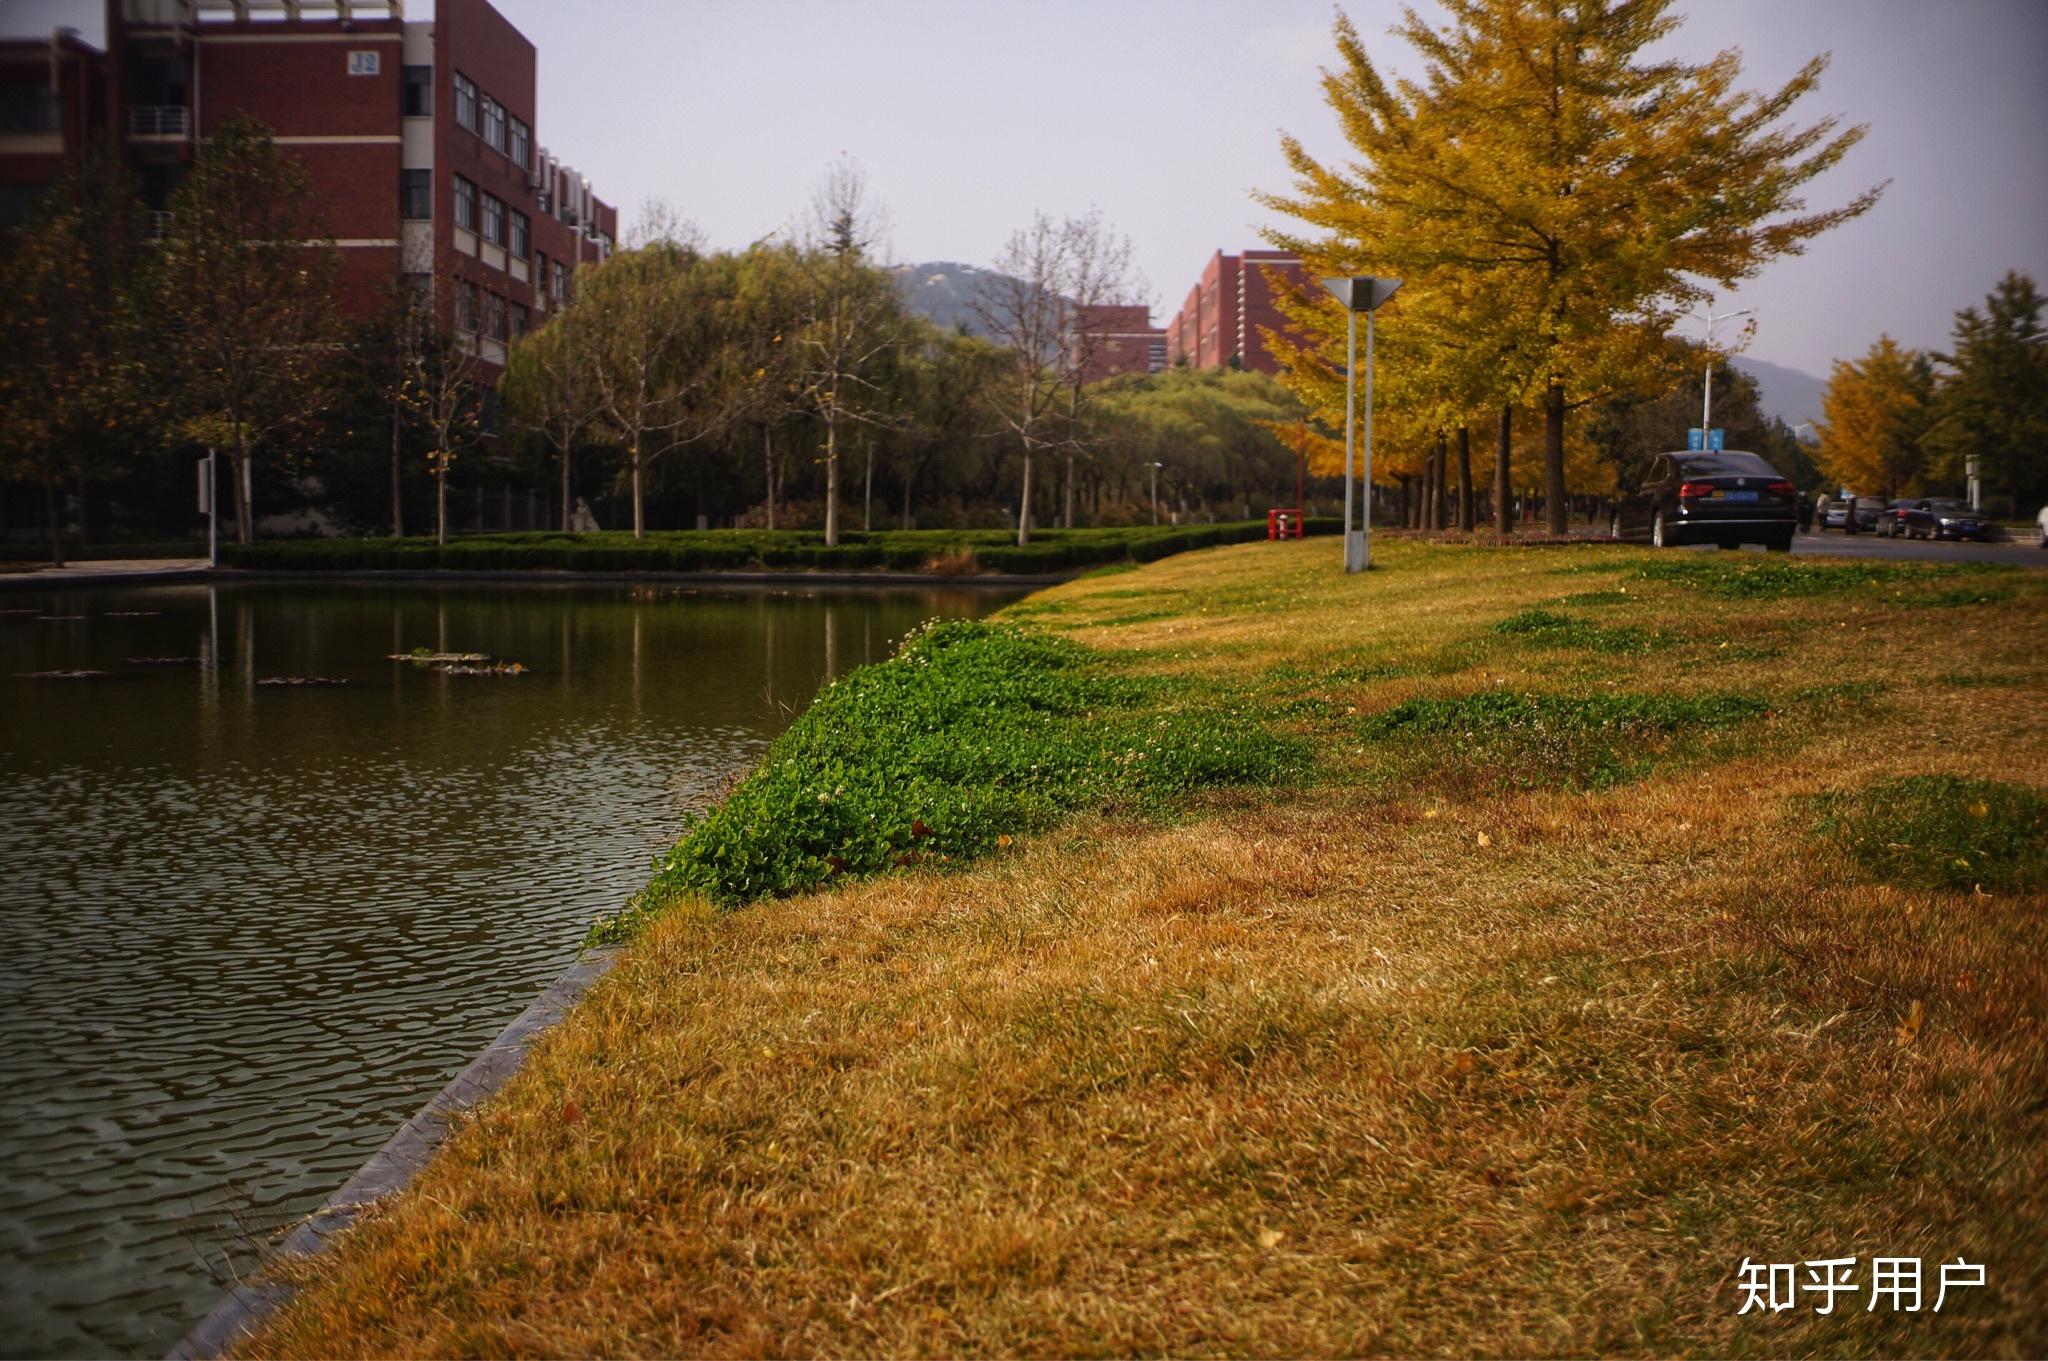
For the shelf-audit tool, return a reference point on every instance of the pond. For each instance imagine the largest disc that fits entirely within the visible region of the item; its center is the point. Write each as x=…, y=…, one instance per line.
x=252, y=927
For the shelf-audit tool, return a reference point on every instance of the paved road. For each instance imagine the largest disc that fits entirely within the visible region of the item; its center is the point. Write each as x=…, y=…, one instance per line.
x=2023, y=552
x=1834, y=544
x=106, y=571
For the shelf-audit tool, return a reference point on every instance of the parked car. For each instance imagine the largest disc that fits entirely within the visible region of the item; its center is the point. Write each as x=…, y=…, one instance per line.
x=1868, y=509
x=1955, y=520
x=1726, y=497
x=1907, y=519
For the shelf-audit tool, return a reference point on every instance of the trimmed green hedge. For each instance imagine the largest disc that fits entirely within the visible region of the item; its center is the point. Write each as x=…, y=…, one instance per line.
x=1051, y=550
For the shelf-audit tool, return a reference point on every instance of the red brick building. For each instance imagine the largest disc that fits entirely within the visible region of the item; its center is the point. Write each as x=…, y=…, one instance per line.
x=1121, y=339
x=421, y=138
x=52, y=96
x=1218, y=325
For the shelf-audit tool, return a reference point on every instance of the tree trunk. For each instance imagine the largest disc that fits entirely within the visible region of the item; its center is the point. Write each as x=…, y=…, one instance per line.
x=1067, y=508
x=84, y=520
x=639, y=506
x=1503, y=497
x=51, y=518
x=867, y=510
x=1555, y=511
x=832, y=479
x=1024, y=503
x=768, y=466
x=244, y=521
x=568, y=521
x=397, y=473
x=1440, y=504
x=1467, y=512
x=440, y=500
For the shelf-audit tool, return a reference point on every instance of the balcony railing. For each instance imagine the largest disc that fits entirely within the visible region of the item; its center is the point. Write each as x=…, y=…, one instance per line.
x=157, y=223
x=159, y=120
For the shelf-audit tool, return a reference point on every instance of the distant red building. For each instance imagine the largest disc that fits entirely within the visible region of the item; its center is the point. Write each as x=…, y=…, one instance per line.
x=421, y=138
x=1121, y=339
x=1219, y=324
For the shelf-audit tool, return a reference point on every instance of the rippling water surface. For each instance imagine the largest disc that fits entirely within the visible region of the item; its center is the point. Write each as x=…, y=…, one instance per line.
x=249, y=929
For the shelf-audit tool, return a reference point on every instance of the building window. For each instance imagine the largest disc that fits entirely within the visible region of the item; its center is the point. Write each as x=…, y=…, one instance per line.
x=465, y=101
x=416, y=195
x=515, y=314
x=465, y=204
x=29, y=108
x=494, y=220
x=561, y=281
x=517, y=244
x=494, y=316
x=522, y=144
x=465, y=305
x=416, y=92
x=494, y=123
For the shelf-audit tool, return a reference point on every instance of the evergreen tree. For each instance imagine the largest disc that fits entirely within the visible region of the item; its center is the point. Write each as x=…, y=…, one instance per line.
x=1993, y=402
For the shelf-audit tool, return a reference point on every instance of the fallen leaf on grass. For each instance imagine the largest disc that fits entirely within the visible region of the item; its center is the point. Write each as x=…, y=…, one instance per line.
x=1909, y=1029
x=1270, y=1238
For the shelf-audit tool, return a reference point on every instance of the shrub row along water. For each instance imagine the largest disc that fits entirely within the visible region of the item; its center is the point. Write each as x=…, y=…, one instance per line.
x=1052, y=550
x=973, y=733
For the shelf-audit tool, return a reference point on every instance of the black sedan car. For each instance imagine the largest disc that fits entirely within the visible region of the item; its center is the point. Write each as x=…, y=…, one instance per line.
x=1868, y=512
x=1955, y=520
x=1724, y=497
x=1907, y=519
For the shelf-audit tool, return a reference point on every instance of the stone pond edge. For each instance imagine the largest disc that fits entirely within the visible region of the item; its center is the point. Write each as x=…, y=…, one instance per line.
x=391, y=1167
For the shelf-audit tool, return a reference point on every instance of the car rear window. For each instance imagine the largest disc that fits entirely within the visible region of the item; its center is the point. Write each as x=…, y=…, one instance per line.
x=1729, y=464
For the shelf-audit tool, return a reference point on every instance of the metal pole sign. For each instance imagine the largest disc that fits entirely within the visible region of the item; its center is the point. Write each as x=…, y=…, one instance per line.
x=1354, y=544
x=1358, y=293
x=208, y=498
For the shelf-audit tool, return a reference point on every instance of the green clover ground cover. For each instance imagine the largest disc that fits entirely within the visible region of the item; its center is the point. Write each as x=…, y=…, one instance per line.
x=973, y=733
x=1944, y=831
x=1529, y=740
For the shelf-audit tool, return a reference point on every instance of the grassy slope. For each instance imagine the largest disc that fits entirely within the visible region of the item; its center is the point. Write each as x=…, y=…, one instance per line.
x=1515, y=1030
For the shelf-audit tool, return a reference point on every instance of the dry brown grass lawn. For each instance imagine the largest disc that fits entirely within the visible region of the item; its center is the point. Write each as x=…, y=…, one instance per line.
x=1425, y=1057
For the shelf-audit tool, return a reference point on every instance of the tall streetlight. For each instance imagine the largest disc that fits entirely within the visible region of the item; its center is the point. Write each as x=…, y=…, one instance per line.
x=1358, y=293
x=1155, y=467
x=1711, y=318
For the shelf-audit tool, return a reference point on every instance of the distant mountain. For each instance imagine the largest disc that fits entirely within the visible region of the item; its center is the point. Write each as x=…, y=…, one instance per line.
x=1793, y=396
x=942, y=290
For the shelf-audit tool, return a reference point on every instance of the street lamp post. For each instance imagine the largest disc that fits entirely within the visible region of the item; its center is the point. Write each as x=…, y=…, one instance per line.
x=1358, y=293
x=1712, y=319
x=1155, y=467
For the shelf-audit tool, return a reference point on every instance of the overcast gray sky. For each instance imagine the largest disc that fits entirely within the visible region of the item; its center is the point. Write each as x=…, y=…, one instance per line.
x=1166, y=113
